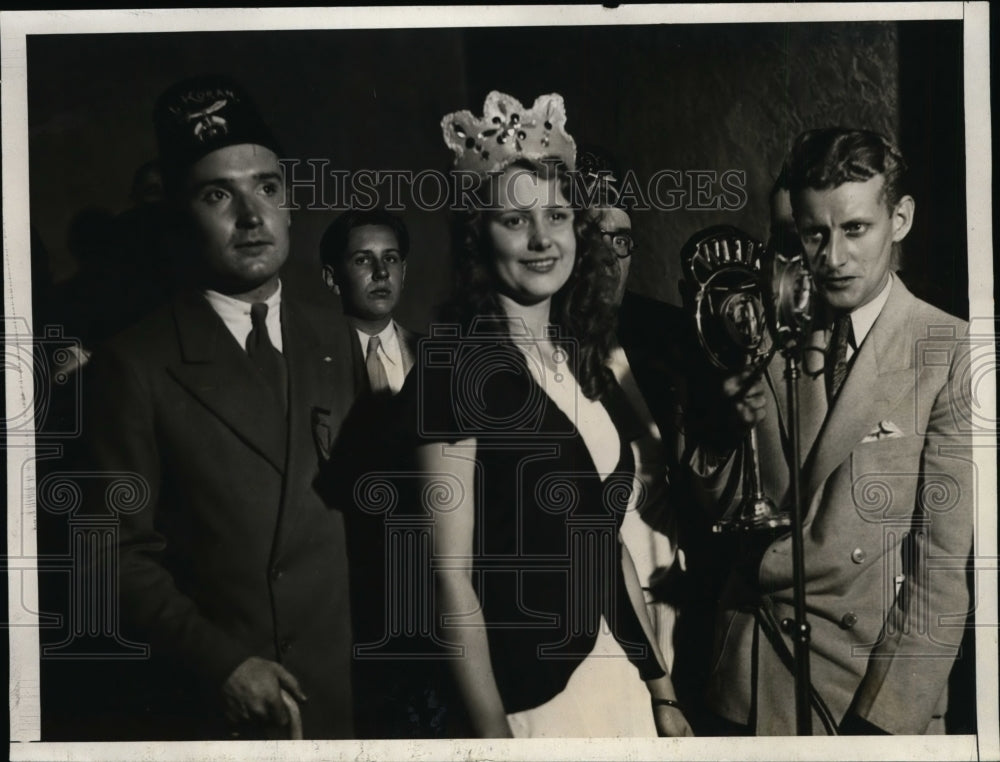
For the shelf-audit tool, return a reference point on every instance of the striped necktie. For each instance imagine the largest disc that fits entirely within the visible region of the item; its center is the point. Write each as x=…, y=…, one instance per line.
x=836, y=357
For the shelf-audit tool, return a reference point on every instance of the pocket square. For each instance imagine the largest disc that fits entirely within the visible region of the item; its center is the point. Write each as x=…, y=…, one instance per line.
x=883, y=430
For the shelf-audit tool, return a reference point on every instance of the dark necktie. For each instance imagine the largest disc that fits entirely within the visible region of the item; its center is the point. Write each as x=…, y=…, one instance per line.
x=263, y=355
x=836, y=357
x=376, y=371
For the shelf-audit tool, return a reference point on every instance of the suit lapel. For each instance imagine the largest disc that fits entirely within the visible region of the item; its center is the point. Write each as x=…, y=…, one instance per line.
x=880, y=375
x=217, y=371
x=320, y=390
x=361, y=383
x=407, y=348
x=812, y=401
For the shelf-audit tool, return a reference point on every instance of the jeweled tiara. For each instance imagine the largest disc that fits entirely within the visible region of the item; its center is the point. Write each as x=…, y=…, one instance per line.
x=507, y=132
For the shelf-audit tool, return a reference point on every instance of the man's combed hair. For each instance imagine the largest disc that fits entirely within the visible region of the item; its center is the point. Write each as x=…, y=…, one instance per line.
x=333, y=245
x=829, y=157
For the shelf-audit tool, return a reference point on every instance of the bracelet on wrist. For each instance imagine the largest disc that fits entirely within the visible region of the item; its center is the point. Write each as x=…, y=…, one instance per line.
x=666, y=702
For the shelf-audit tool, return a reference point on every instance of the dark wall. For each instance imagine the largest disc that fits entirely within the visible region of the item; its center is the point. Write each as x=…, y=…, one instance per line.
x=932, y=136
x=698, y=97
x=680, y=97
x=361, y=99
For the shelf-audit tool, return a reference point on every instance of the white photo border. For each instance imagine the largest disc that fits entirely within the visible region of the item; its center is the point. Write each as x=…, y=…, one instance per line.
x=25, y=721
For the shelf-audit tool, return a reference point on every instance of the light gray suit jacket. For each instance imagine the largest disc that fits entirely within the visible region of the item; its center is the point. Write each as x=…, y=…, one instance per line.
x=888, y=488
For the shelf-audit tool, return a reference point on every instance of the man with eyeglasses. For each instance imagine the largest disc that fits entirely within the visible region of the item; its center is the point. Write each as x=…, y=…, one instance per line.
x=616, y=230
x=647, y=364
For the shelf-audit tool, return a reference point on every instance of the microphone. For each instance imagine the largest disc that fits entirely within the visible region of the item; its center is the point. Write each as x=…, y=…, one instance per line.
x=728, y=272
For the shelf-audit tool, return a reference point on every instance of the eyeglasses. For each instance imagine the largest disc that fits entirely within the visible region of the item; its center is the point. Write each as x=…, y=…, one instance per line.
x=621, y=241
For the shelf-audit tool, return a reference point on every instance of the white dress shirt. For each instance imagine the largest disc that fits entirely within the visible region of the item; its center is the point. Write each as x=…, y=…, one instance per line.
x=236, y=315
x=389, y=353
x=864, y=317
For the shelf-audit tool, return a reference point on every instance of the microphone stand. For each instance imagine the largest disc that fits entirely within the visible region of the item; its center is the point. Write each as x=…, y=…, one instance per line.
x=724, y=259
x=799, y=627
x=792, y=318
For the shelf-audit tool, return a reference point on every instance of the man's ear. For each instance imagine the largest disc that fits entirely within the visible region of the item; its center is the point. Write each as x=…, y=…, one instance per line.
x=902, y=218
x=330, y=279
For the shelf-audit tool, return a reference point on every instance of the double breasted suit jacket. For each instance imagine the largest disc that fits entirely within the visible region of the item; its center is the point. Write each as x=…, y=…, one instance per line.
x=233, y=554
x=888, y=494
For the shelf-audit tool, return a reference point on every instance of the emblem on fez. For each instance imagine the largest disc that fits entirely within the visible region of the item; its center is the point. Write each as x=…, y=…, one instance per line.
x=207, y=124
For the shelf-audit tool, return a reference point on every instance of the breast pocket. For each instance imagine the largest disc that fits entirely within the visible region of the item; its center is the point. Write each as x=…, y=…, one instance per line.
x=884, y=476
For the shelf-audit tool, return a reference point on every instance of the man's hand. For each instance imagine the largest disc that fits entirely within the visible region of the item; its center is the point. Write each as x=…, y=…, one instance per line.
x=744, y=392
x=733, y=412
x=253, y=692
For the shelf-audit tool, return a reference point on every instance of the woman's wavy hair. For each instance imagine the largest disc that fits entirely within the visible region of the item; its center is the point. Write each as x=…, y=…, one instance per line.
x=583, y=310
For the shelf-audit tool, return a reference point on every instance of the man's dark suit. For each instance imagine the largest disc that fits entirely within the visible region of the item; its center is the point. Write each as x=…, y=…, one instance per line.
x=670, y=370
x=656, y=337
x=234, y=554
x=401, y=691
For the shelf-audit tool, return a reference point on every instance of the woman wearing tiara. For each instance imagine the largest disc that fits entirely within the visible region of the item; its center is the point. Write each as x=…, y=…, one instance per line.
x=525, y=452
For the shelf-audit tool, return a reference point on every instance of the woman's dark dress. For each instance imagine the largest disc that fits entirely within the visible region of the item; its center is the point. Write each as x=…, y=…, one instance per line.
x=547, y=560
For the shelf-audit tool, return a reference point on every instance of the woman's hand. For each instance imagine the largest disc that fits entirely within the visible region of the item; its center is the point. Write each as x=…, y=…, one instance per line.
x=497, y=727
x=670, y=721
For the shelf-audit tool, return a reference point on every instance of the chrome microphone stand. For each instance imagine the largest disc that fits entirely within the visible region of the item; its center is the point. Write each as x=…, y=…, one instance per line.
x=724, y=267
x=792, y=318
x=742, y=320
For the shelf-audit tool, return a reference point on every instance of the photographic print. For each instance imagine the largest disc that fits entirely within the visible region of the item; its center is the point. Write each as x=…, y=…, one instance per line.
x=451, y=382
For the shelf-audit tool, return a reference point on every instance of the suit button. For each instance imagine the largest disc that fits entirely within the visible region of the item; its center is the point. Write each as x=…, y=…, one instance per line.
x=848, y=620
x=858, y=555
x=276, y=573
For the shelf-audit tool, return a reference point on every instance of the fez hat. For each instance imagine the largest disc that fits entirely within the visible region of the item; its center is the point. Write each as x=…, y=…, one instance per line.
x=196, y=116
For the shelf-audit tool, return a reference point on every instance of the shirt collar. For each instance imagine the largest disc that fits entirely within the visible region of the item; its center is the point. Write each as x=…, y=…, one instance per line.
x=864, y=317
x=230, y=307
x=388, y=338
x=235, y=314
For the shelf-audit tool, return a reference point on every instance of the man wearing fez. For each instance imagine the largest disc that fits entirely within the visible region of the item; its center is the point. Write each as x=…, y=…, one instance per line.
x=887, y=484
x=233, y=570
